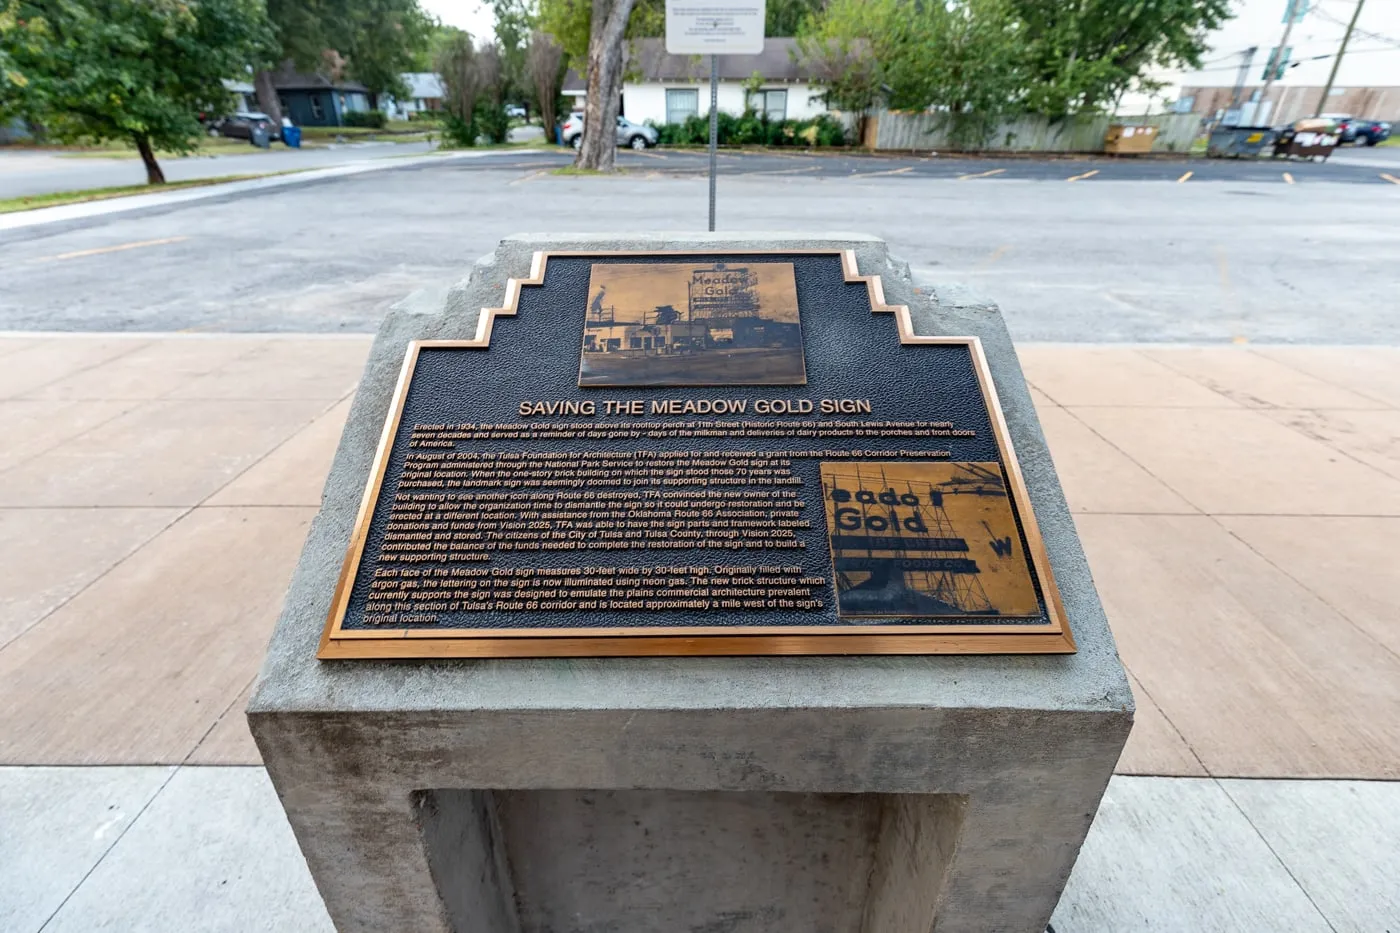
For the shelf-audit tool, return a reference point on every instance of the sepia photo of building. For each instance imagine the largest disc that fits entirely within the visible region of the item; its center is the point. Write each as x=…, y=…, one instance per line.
x=669, y=324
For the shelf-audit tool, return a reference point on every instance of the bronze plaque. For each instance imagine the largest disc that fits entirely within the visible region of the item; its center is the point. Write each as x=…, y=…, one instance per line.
x=749, y=454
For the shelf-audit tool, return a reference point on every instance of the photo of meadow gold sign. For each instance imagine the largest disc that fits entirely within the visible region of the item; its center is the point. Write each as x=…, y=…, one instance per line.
x=743, y=454
x=925, y=539
x=674, y=324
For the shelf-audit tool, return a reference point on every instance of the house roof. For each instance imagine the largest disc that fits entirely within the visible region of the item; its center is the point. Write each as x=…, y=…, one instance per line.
x=777, y=62
x=574, y=83
x=423, y=84
x=287, y=78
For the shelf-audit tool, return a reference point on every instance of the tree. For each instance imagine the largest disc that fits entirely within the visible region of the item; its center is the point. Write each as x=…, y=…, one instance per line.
x=138, y=71
x=461, y=85
x=785, y=17
x=1083, y=54
x=491, y=119
x=606, y=31
x=382, y=42
x=379, y=39
x=515, y=19
x=545, y=59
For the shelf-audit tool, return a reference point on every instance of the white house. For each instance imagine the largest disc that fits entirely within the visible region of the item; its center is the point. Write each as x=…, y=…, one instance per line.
x=424, y=93
x=669, y=88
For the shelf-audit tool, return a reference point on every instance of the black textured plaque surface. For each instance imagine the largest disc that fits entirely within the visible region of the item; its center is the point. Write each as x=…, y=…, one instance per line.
x=851, y=353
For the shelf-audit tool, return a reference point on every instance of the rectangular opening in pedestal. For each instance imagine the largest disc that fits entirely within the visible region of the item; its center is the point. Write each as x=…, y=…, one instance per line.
x=595, y=860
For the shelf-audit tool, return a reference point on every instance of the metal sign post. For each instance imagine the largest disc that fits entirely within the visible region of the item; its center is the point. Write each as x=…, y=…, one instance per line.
x=721, y=27
x=714, y=131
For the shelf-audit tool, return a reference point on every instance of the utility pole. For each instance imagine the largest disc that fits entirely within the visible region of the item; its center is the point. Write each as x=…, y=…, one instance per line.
x=1246, y=63
x=1276, y=59
x=1337, y=62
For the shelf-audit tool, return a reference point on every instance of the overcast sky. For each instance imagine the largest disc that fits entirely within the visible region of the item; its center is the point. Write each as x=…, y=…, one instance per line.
x=472, y=15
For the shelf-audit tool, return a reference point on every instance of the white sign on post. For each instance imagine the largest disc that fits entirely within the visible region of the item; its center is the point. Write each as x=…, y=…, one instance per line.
x=714, y=27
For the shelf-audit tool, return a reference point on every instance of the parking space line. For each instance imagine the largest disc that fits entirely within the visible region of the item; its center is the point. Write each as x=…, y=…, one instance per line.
x=995, y=171
x=785, y=171
x=1089, y=174
x=111, y=249
x=649, y=155
x=1184, y=177
x=893, y=171
x=1390, y=178
x=1288, y=177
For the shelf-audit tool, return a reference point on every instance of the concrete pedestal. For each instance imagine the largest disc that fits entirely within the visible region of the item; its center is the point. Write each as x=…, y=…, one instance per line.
x=725, y=795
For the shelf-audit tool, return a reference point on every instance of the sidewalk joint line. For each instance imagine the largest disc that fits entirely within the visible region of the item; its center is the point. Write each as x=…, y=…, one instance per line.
x=108, y=851
x=1278, y=858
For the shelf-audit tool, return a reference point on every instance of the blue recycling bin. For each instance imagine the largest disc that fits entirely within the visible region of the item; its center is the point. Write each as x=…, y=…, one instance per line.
x=291, y=135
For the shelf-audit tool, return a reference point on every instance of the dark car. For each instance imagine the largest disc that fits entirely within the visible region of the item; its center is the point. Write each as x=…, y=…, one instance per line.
x=1366, y=132
x=240, y=125
x=1359, y=130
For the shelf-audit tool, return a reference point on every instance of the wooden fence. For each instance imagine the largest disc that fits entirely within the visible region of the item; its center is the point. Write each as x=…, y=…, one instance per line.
x=900, y=130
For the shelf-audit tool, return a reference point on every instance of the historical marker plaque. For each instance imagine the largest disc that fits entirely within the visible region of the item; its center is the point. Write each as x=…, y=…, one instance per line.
x=695, y=453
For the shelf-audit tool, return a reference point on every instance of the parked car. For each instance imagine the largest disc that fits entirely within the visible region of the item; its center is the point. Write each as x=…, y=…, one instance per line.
x=515, y=111
x=1366, y=132
x=632, y=135
x=240, y=125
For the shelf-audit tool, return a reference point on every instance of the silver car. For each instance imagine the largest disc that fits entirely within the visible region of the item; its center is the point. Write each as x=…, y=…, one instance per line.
x=629, y=134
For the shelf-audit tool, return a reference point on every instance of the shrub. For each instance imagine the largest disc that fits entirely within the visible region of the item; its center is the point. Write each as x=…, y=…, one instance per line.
x=753, y=129
x=373, y=119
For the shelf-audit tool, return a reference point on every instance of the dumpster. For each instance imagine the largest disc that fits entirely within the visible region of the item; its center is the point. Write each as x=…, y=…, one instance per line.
x=1308, y=139
x=1122, y=139
x=1237, y=141
x=291, y=135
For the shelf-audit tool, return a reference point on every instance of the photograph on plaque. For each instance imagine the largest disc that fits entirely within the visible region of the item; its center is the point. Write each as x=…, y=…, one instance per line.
x=700, y=324
x=925, y=540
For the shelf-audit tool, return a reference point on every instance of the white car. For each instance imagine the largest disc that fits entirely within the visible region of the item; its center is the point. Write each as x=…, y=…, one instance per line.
x=632, y=135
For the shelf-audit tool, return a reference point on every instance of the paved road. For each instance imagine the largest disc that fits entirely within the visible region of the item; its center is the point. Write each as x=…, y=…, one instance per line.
x=1084, y=169
x=26, y=172
x=1236, y=254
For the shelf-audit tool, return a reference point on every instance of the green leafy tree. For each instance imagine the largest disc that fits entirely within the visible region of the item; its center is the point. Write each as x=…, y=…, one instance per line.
x=546, y=65
x=383, y=40
x=1082, y=54
x=461, y=85
x=785, y=17
x=515, y=20
x=138, y=71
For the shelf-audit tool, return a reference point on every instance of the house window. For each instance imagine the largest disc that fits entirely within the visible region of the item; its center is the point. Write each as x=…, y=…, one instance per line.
x=773, y=103
x=681, y=103
x=317, y=112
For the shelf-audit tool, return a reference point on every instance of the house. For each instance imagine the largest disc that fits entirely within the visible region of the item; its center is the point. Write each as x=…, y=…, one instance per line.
x=318, y=100
x=669, y=88
x=244, y=96
x=424, y=93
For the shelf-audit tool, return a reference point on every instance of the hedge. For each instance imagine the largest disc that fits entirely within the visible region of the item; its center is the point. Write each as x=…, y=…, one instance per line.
x=374, y=119
x=753, y=129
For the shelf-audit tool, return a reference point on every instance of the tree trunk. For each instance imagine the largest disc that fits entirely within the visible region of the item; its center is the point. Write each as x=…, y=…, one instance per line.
x=154, y=176
x=267, y=95
x=609, y=23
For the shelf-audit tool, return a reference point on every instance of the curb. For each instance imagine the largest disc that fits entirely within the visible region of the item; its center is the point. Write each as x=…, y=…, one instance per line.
x=43, y=216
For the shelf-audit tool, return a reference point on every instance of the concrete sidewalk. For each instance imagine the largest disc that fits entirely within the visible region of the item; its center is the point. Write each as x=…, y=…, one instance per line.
x=1240, y=508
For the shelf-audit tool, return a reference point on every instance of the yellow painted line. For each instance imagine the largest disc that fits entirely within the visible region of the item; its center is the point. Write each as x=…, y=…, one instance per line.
x=893, y=171
x=995, y=171
x=1239, y=339
x=1184, y=177
x=1288, y=178
x=785, y=171
x=997, y=253
x=649, y=155
x=111, y=249
x=1390, y=178
x=1089, y=174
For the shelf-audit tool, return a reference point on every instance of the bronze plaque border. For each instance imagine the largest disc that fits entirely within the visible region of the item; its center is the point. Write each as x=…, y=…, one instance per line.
x=1053, y=637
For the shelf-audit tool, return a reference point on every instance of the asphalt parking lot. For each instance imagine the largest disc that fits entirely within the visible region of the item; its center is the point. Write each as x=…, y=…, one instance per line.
x=1124, y=252
x=685, y=162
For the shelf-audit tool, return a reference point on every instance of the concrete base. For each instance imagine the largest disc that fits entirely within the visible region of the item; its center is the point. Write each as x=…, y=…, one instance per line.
x=872, y=794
